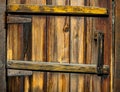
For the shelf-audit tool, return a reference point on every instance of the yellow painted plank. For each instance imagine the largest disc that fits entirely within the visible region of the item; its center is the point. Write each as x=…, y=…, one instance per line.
x=74, y=10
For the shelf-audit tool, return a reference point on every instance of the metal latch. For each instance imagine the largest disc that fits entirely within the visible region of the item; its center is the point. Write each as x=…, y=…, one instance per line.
x=99, y=37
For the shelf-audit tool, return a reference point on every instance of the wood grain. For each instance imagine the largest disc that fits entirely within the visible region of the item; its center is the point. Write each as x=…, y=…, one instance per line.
x=91, y=51
x=117, y=47
x=64, y=39
x=70, y=10
x=17, y=20
x=77, y=49
x=2, y=46
x=38, y=44
x=103, y=25
x=56, y=67
x=14, y=51
x=52, y=78
x=58, y=48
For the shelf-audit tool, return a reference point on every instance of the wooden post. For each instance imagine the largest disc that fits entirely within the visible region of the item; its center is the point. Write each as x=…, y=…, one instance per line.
x=116, y=83
x=2, y=46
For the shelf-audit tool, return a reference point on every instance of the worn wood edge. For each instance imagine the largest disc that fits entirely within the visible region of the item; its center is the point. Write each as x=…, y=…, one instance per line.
x=70, y=10
x=12, y=72
x=18, y=20
x=56, y=67
x=3, y=86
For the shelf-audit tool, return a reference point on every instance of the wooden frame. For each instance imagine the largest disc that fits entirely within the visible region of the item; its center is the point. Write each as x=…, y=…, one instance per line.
x=116, y=70
x=2, y=46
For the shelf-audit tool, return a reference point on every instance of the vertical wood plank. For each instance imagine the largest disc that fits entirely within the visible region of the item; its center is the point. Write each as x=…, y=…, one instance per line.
x=27, y=53
x=117, y=47
x=52, y=78
x=38, y=47
x=77, y=50
x=2, y=46
x=92, y=82
x=62, y=32
x=105, y=25
x=58, y=48
x=15, y=51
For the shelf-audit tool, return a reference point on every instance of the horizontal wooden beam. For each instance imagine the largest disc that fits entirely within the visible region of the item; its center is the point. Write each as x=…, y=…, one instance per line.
x=12, y=72
x=58, y=10
x=18, y=20
x=56, y=67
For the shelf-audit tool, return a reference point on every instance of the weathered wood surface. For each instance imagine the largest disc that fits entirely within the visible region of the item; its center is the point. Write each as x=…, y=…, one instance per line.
x=38, y=81
x=52, y=78
x=116, y=83
x=105, y=25
x=12, y=72
x=77, y=47
x=18, y=20
x=15, y=51
x=58, y=67
x=2, y=46
x=58, y=48
x=58, y=32
x=70, y=10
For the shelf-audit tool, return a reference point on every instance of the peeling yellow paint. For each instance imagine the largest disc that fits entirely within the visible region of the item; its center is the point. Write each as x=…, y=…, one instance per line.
x=33, y=8
x=57, y=9
x=14, y=7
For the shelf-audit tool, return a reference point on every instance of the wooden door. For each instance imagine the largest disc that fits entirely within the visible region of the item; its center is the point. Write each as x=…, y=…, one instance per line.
x=63, y=39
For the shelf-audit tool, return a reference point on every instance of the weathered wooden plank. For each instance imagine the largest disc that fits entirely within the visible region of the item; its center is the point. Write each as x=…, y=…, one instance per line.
x=92, y=82
x=52, y=78
x=14, y=51
x=58, y=48
x=38, y=47
x=18, y=20
x=103, y=25
x=57, y=67
x=62, y=45
x=12, y=72
x=27, y=52
x=117, y=48
x=70, y=10
x=77, y=48
x=2, y=46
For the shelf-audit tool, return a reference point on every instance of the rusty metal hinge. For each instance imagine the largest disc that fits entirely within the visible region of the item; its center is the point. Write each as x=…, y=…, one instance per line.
x=99, y=37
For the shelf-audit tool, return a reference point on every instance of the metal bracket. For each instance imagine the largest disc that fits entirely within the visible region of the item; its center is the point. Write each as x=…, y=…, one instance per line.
x=99, y=36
